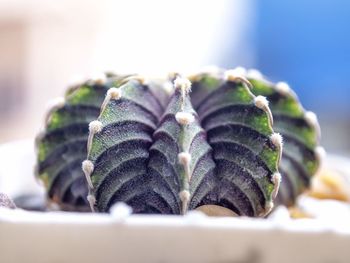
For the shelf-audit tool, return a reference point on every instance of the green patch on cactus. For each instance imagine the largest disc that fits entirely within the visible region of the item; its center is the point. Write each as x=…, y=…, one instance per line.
x=299, y=130
x=69, y=115
x=86, y=95
x=55, y=121
x=203, y=84
x=62, y=146
x=59, y=138
x=286, y=104
x=299, y=160
x=229, y=96
x=42, y=151
x=45, y=178
x=208, y=82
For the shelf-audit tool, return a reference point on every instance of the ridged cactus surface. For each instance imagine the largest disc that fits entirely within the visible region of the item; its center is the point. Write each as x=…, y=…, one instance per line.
x=302, y=154
x=245, y=149
x=179, y=158
x=212, y=140
x=61, y=146
x=119, y=142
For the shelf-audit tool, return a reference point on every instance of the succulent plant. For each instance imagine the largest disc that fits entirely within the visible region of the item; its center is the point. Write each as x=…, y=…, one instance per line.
x=174, y=157
x=61, y=146
x=212, y=147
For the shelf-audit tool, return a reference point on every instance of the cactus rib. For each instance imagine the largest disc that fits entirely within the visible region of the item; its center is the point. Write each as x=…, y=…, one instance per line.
x=301, y=134
x=61, y=146
x=119, y=148
x=239, y=129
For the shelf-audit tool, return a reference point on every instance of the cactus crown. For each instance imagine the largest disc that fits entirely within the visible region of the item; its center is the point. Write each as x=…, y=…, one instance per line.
x=209, y=142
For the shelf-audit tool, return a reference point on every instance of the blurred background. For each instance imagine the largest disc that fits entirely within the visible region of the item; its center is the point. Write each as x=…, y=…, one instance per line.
x=45, y=45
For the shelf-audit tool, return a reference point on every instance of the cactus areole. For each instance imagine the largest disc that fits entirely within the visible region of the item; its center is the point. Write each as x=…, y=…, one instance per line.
x=205, y=142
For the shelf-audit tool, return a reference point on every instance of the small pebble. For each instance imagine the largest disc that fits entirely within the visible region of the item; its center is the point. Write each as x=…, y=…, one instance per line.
x=6, y=201
x=33, y=202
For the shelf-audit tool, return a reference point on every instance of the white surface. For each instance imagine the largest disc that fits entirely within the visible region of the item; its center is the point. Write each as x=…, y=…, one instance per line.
x=63, y=237
x=121, y=237
x=17, y=160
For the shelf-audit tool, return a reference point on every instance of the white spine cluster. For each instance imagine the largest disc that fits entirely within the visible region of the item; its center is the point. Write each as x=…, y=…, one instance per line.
x=99, y=78
x=277, y=139
x=120, y=211
x=88, y=168
x=184, y=118
x=276, y=179
x=311, y=119
x=320, y=154
x=184, y=158
x=185, y=161
x=261, y=102
x=183, y=84
x=255, y=74
x=112, y=94
x=185, y=199
x=95, y=126
x=233, y=74
x=237, y=75
x=283, y=88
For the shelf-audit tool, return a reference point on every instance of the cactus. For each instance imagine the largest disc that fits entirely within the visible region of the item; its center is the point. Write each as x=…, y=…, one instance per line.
x=61, y=146
x=161, y=157
x=210, y=143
